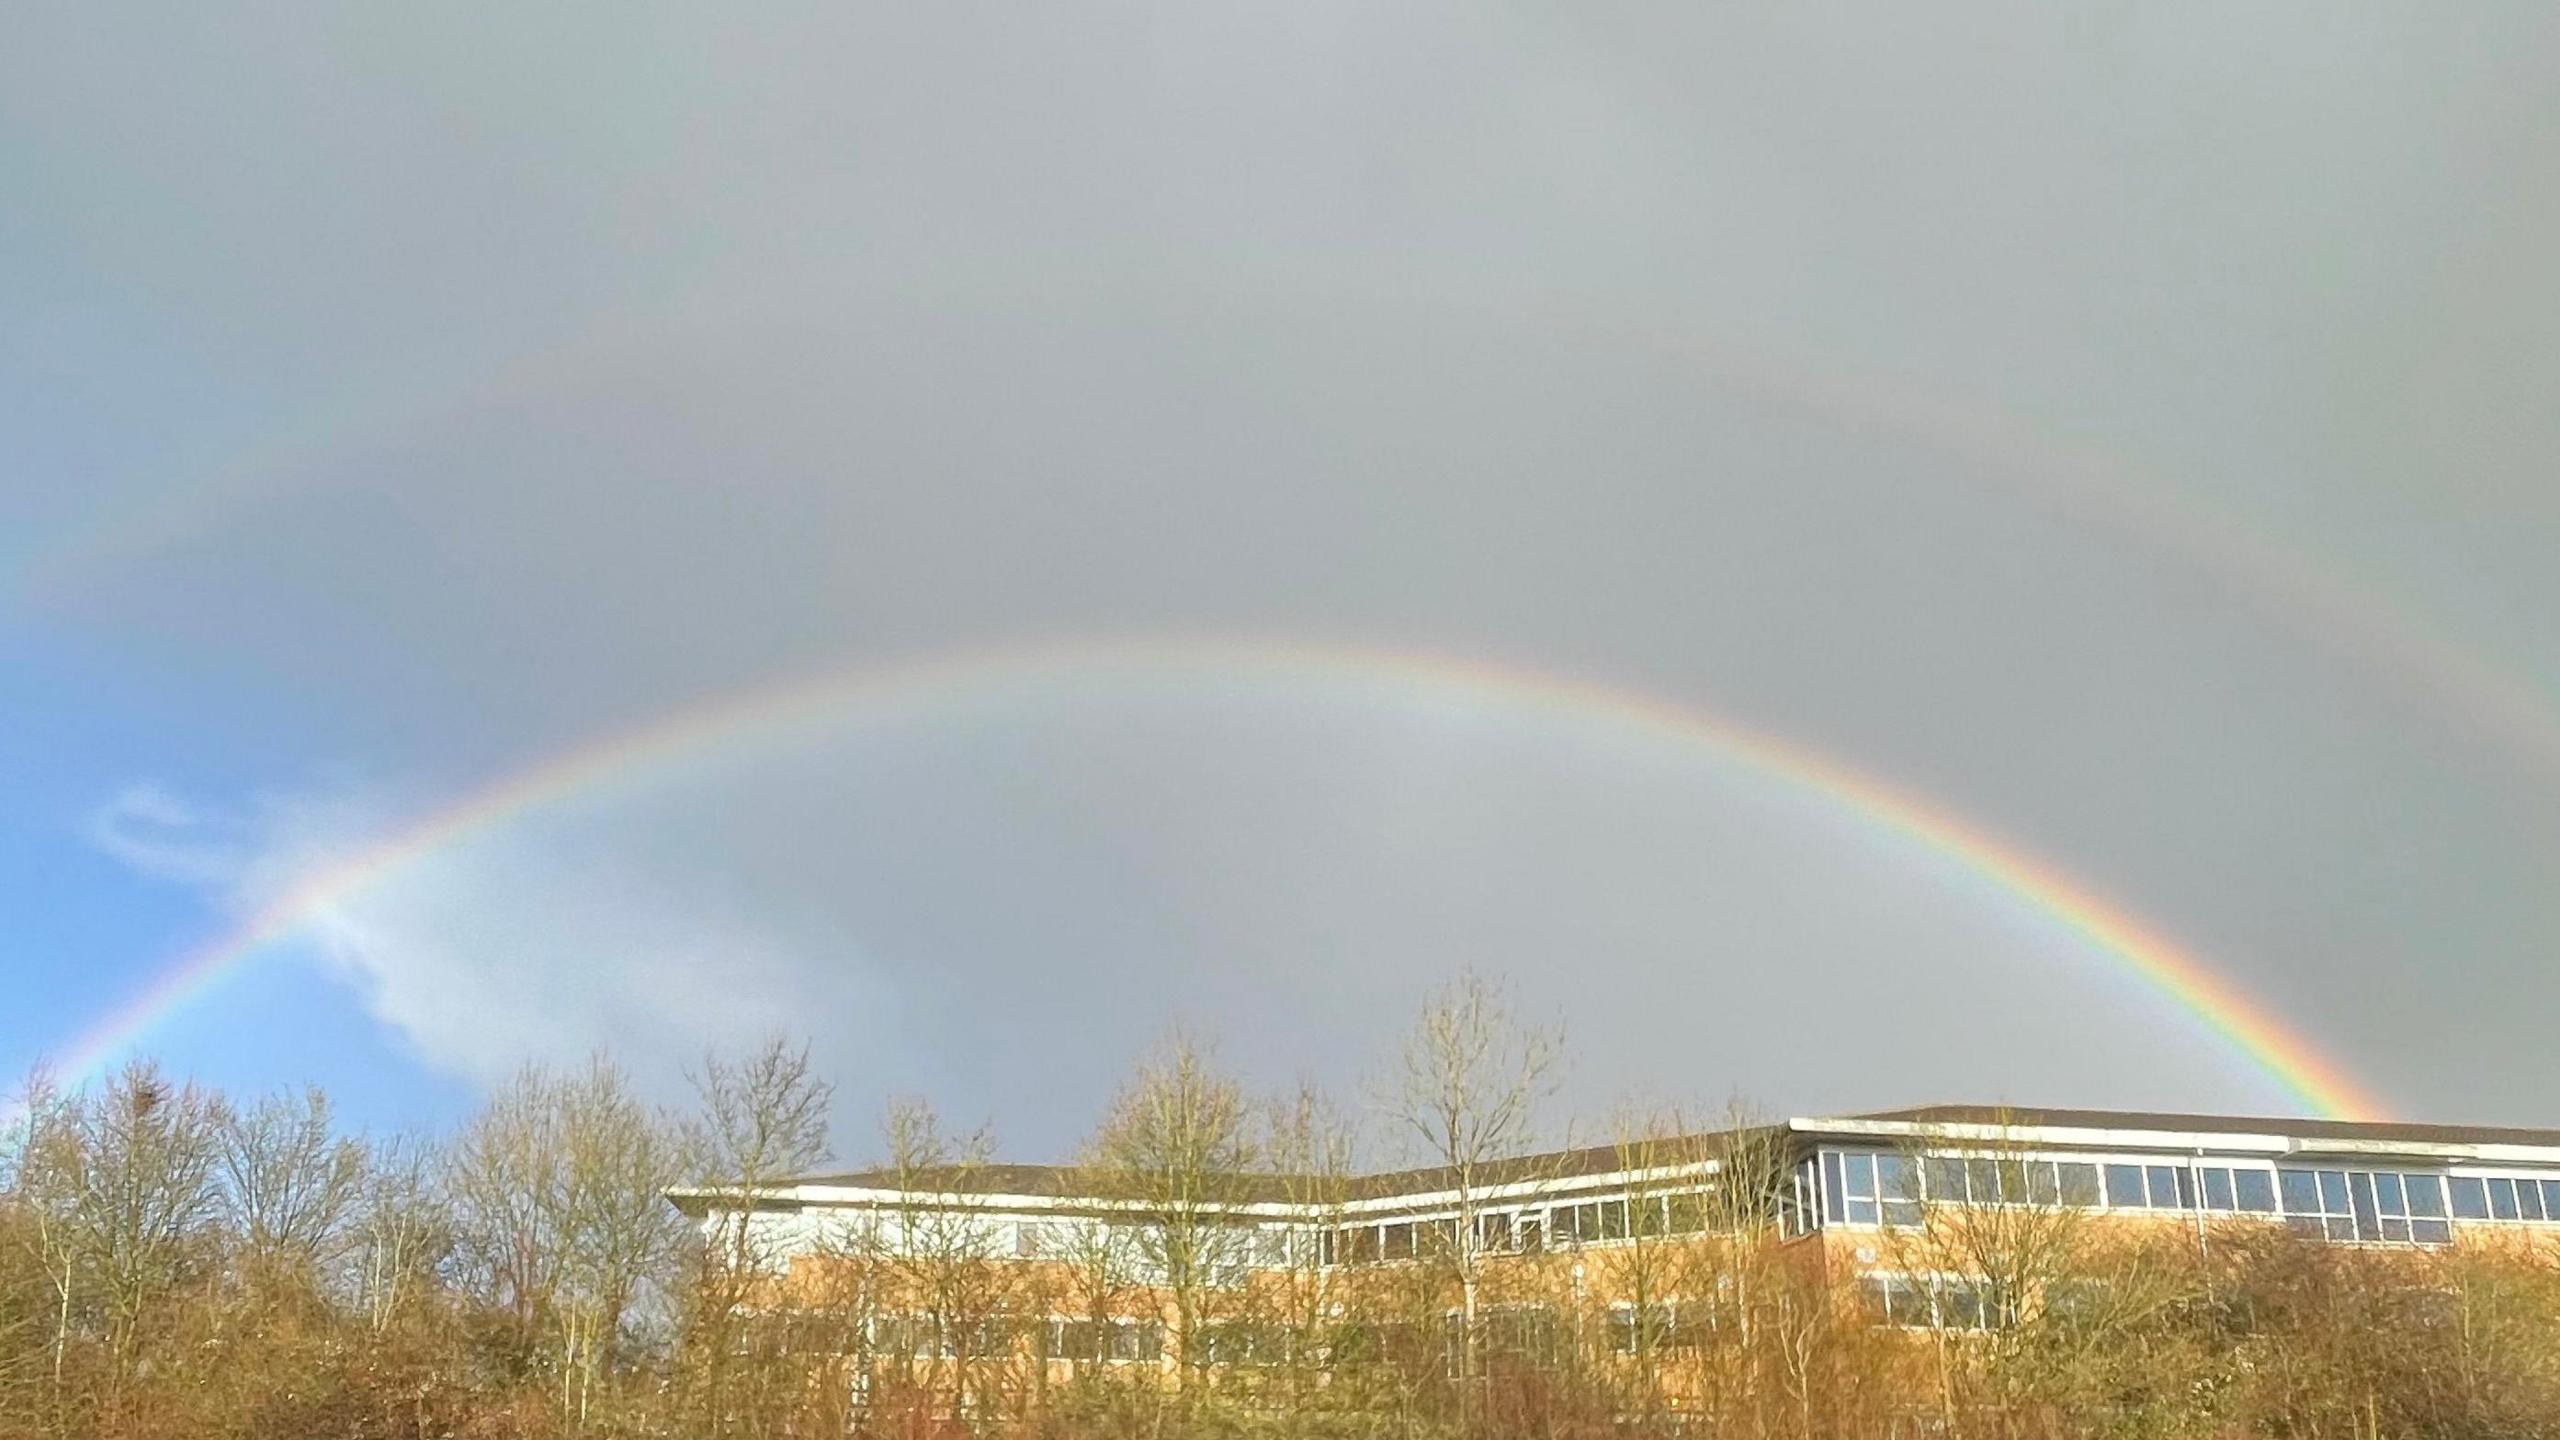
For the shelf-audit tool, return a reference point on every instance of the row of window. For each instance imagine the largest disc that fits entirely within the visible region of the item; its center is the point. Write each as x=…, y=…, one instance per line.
x=1866, y=1188
x=1931, y=1302
x=925, y=1338
x=1671, y=1325
x=1520, y=1229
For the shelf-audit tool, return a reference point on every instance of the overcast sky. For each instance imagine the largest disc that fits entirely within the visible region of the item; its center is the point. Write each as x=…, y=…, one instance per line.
x=2129, y=429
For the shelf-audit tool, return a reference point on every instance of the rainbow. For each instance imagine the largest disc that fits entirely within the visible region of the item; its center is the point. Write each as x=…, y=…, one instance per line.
x=882, y=693
x=2332, y=613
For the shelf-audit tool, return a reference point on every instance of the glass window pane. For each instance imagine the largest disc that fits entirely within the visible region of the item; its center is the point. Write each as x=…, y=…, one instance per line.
x=2551, y=1199
x=2394, y=1229
x=1960, y=1307
x=2166, y=1193
x=2502, y=1198
x=2304, y=1225
x=2333, y=1191
x=1861, y=1173
x=2426, y=1194
x=2080, y=1182
x=1875, y=1292
x=2387, y=1195
x=1833, y=1203
x=1613, y=1220
x=2254, y=1190
x=2042, y=1187
x=2361, y=1183
x=2431, y=1232
x=2470, y=1197
x=1910, y=1304
x=2529, y=1199
x=1946, y=1181
x=1862, y=1212
x=2217, y=1189
x=2301, y=1192
x=1902, y=1212
x=1688, y=1214
x=2186, y=1188
x=1983, y=1176
x=2341, y=1227
x=2124, y=1186
x=1897, y=1178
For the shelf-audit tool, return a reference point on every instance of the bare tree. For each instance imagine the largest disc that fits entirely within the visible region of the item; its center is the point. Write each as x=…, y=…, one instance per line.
x=618, y=1232
x=559, y=1187
x=504, y=1174
x=951, y=1277
x=401, y=1230
x=1655, y=1273
x=2024, y=1292
x=288, y=1181
x=1466, y=1091
x=1310, y=1147
x=763, y=1123
x=1177, y=1149
x=1098, y=1271
x=145, y=1201
x=45, y=1160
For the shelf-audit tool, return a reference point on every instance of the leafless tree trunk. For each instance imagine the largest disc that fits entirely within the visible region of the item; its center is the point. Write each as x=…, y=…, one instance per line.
x=1177, y=1149
x=560, y=1193
x=145, y=1201
x=763, y=1123
x=1466, y=1090
x=1311, y=1148
x=288, y=1181
x=952, y=1278
x=402, y=1230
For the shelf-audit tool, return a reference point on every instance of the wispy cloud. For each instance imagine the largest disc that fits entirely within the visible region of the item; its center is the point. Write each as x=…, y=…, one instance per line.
x=153, y=831
x=489, y=953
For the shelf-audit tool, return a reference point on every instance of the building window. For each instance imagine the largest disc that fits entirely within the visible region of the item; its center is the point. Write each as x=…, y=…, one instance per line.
x=1567, y=1224
x=1931, y=1303
x=1121, y=1341
x=1858, y=1181
x=2124, y=1187
x=2079, y=1183
x=1898, y=1183
x=1656, y=1327
x=2367, y=1205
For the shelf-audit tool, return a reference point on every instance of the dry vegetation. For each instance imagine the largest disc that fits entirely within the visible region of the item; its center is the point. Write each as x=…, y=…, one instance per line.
x=175, y=1264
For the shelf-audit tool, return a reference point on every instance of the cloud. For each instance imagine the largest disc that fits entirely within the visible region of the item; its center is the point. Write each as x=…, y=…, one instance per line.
x=155, y=832
x=488, y=954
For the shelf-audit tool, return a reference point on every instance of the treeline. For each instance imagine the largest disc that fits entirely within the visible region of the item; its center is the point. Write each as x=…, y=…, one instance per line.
x=177, y=1263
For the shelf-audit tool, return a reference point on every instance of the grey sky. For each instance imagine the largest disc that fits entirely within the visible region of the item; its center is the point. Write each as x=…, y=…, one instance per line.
x=587, y=360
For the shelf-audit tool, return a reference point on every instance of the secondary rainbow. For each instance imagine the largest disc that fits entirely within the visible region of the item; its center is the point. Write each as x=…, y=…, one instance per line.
x=2334, y=612
x=761, y=714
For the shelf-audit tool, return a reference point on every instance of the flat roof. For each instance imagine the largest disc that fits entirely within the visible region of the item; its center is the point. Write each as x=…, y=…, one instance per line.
x=1069, y=1182
x=2370, y=1131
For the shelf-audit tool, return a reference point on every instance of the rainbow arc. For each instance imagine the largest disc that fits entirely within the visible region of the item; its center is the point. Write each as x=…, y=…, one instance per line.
x=765, y=714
